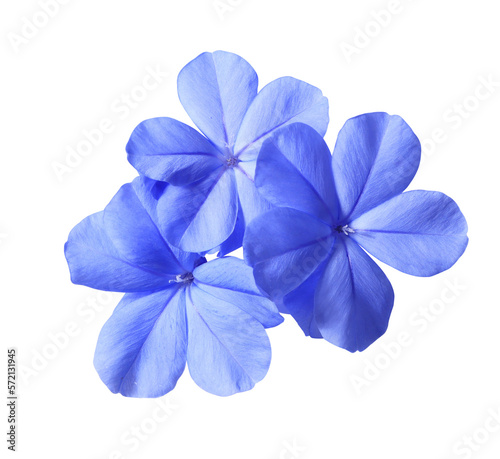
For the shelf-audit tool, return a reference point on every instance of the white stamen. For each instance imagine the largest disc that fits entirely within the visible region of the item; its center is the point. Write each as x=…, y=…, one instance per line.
x=347, y=230
x=182, y=278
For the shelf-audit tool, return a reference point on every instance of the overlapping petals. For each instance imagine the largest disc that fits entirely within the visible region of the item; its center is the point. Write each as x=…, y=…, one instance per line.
x=282, y=102
x=177, y=308
x=297, y=159
x=219, y=92
x=170, y=151
x=285, y=246
x=338, y=292
x=257, y=173
x=196, y=217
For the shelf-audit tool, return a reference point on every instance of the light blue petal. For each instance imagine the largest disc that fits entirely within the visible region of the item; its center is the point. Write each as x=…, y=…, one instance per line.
x=300, y=302
x=281, y=306
x=94, y=261
x=135, y=235
x=148, y=192
x=168, y=150
x=216, y=90
x=231, y=280
x=353, y=299
x=284, y=246
x=252, y=202
x=419, y=232
x=294, y=170
x=283, y=101
x=375, y=158
x=248, y=168
x=141, y=351
x=234, y=241
x=228, y=350
x=200, y=216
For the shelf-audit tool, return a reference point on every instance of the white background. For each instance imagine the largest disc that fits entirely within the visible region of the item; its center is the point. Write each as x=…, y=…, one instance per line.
x=69, y=76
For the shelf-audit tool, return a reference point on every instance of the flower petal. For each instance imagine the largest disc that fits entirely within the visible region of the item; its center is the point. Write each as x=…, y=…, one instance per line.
x=294, y=170
x=148, y=192
x=168, y=150
x=375, y=158
x=216, y=90
x=252, y=202
x=234, y=241
x=283, y=101
x=300, y=302
x=141, y=351
x=284, y=246
x=353, y=299
x=135, y=235
x=200, y=216
x=228, y=350
x=419, y=232
x=94, y=261
x=231, y=280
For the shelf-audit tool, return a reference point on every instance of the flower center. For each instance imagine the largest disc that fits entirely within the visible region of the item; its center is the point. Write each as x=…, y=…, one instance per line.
x=185, y=278
x=346, y=229
x=232, y=161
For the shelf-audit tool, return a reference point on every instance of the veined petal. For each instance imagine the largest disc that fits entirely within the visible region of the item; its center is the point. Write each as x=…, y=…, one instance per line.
x=294, y=170
x=200, y=216
x=141, y=351
x=284, y=246
x=418, y=232
x=148, y=192
x=231, y=280
x=353, y=299
x=216, y=90
x=234, y=241
x=281, y=306
x=375, y=158
x=168, y=150
x=300, y=302
x=283, y=101
x=228, y=350
x=94, y=261
x=136, y=237
x=252, y=202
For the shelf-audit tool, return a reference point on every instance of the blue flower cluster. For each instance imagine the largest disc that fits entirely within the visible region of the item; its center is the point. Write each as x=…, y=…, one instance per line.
x=259, y=175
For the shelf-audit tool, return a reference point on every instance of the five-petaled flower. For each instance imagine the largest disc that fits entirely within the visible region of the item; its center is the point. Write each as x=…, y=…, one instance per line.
x=176, y=307
x=307, y=252
x=214, y=197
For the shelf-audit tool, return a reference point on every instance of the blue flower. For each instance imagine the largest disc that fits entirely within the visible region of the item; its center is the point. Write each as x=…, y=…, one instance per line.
x=177, y=308
x=214, y=197
x=308, y=252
